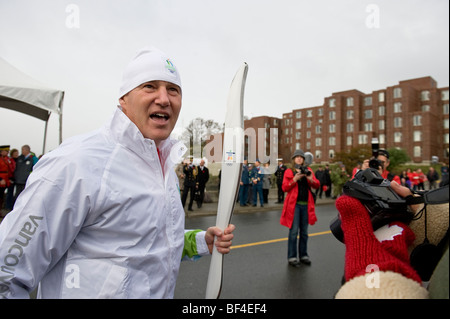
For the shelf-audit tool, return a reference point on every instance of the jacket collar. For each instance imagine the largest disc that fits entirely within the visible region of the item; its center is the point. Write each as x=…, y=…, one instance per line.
x=126, y=133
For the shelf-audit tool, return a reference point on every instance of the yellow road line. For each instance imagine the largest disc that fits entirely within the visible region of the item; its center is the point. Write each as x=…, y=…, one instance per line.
x=276, y=240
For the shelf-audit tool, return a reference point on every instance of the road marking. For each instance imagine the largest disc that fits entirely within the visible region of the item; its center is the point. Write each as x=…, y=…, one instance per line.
x=276, y=240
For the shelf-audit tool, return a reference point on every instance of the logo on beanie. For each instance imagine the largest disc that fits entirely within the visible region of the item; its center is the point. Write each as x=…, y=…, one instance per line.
x=170, y=66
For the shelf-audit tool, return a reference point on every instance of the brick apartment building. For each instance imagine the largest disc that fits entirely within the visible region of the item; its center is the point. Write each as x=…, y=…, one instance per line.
x=412, y=115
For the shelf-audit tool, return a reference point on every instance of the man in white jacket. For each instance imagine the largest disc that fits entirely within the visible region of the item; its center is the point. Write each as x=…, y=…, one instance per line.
x=101, y=216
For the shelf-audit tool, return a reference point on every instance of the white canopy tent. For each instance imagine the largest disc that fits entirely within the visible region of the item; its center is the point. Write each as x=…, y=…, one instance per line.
x=21, y=93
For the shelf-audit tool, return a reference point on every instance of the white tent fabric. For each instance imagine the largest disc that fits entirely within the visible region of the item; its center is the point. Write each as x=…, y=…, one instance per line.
x=21, y=93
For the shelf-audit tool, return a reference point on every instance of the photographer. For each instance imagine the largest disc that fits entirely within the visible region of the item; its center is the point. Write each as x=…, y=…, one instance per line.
x=381, y=163
x=298, y=209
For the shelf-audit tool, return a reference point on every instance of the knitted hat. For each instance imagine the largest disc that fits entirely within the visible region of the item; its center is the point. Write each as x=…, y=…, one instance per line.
x=298, y=153
x=386, y=249
x=149, y=64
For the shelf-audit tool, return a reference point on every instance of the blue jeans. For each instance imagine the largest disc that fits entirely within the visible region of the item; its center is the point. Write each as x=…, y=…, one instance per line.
x=296, y=247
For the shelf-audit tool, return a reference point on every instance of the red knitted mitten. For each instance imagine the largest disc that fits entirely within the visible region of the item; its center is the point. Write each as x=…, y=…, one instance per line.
x=364, y=249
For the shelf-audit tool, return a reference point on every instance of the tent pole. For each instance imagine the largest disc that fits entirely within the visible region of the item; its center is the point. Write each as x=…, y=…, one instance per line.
x=60, y=128
x=61, y=116
x=45, y=137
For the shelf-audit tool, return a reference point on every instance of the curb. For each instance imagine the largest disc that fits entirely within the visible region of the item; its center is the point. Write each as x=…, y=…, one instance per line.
x=210, y=209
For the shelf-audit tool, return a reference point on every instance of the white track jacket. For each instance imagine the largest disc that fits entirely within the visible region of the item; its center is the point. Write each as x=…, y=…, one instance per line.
x=98, y=219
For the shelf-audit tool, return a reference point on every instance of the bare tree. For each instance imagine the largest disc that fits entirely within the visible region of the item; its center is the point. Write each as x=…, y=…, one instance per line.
x=198, y=132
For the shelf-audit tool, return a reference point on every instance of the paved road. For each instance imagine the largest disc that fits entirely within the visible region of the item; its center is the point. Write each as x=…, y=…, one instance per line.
x=257, y=267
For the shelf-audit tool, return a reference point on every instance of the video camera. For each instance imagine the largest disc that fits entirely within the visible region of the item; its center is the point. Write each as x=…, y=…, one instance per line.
x=374, y=162
x=383, y=204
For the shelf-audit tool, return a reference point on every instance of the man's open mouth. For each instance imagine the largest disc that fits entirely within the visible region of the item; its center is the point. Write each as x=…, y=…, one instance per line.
x=159, y=116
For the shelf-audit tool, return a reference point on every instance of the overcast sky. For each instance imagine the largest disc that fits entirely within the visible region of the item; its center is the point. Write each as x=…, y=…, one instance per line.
x=299, y=52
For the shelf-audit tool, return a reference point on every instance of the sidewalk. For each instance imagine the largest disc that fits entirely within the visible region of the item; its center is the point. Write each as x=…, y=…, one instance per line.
x=210, y=209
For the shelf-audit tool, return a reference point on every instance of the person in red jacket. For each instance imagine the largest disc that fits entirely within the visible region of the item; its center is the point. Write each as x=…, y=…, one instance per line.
x=298, y=209
x=7, y=167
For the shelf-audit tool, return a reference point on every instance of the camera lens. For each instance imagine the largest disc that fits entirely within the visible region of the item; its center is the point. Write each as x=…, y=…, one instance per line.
x=374, y=163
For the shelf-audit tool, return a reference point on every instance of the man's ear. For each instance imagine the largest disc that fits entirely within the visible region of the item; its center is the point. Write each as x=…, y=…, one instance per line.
x=123, y=103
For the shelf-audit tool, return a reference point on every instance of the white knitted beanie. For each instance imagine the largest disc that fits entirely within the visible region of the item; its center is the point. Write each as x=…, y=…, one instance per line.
x=149, y=64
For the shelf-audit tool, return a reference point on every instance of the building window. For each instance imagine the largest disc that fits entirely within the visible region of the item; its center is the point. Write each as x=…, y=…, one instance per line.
x=350, y=114
x=286, y=131
x=349, y=127
x=425, y=108
x=332, y=115
x=332, y=141
x=417, y=120
x=444, y=95
x=381, y=124
x=308, y=134
x=308, y=145
x=349, y=101
x=297, y=146
x=368, y=114
x=298, y=114
x=425, y=95
x=382, y=139
x=298, y=125
x=318, y=154
x=417, y=151
x=382, y=110
x=368, y=127
x=381, y=97
x=397, y=107
x=445, y=123
x=397, y=122
x=362, y=139
x=320, y=112
x=445, y=108
x=332, y=102
x=397, y=137
x=349, y=140
x=417, y=136
x=367, y=101
x=298, y=135
x=309, y=113
x=397, y=93
x=331, y=154
x=332, y=128
x=318, y=141
x=308, y=123
x=318, y=129
x=446, y=138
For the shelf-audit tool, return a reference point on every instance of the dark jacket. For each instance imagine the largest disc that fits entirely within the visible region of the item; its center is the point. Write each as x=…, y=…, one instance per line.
x=202, y=175
x=24, y=166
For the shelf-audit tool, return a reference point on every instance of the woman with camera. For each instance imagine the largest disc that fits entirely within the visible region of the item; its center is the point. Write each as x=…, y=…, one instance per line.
x=298, y=209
